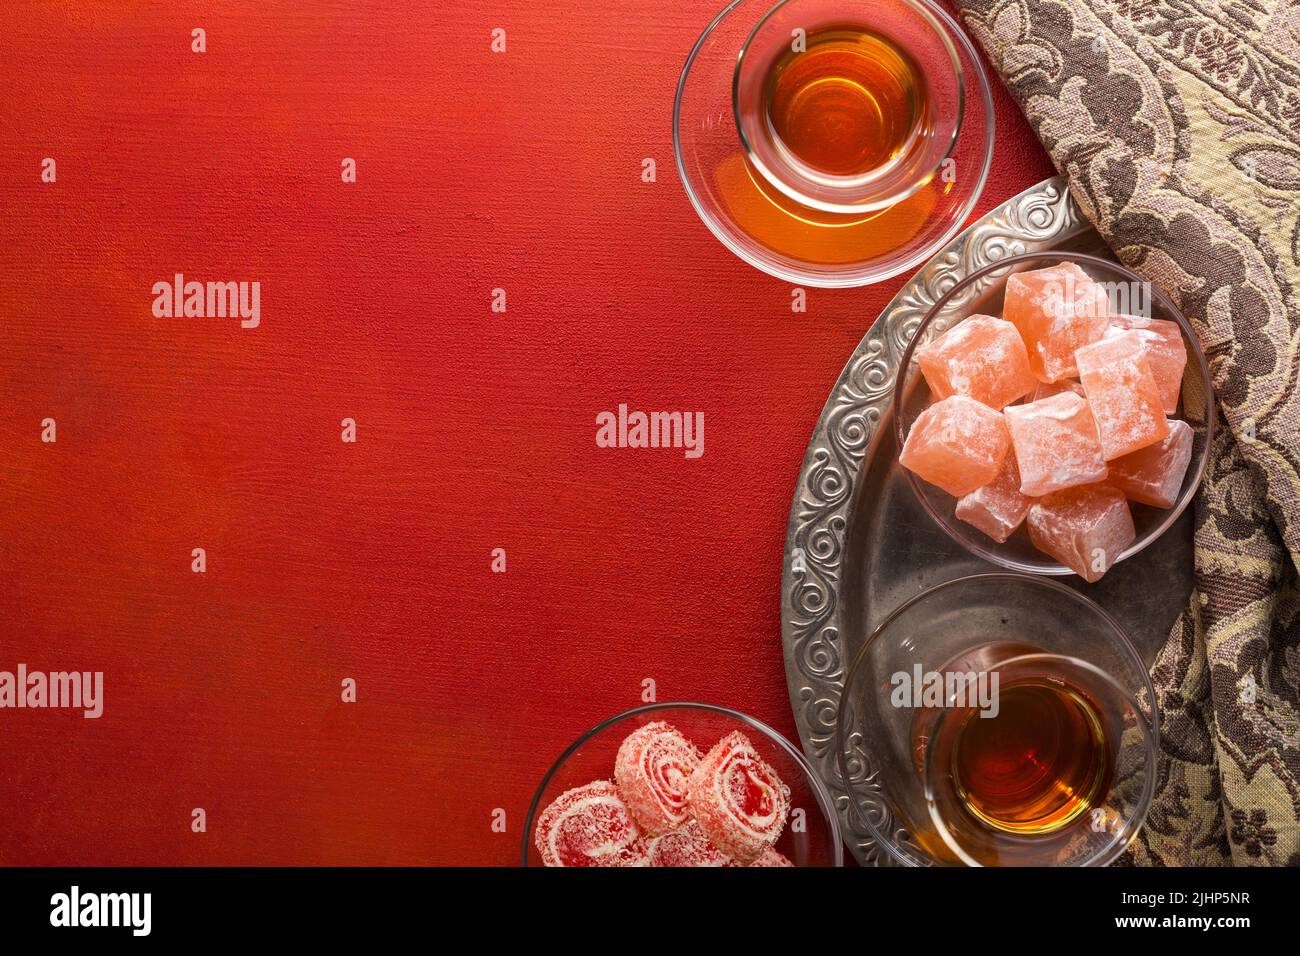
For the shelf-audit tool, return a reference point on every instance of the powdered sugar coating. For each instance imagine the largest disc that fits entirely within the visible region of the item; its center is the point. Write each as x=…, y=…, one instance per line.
x=980, y=357
x=1154, y=475
x=1056, y=444
x=589, y=826
x=687, y=846
x=739, y=800
x=1057, y=310
x=771, y=858
x=957, y=444
x=1086, y=529
x=1122, y=394
x=652, y=771
x=999, y=507
x=1165, y=351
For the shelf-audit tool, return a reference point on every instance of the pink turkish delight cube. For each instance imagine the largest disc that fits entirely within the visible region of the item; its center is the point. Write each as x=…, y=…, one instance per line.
x=1057, y=310
x=997, y=508
x=1165, y=351
x=1122, y=394
x=980, y=357
x=957, y=444
x=1154, y=475
x=1055, y=443
x=1085, y=528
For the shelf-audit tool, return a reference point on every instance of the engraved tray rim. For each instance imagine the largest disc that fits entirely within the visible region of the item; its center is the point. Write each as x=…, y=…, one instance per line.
x=1040, y=218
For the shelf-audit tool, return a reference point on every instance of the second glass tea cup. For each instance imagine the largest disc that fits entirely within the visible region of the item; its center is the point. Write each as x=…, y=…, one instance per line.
x=1002, y=630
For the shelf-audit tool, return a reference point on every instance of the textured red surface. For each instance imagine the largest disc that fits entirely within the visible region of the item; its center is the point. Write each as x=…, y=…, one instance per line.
x=476, y=430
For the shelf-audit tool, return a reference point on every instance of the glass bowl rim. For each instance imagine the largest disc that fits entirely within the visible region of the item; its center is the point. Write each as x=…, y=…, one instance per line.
x=883, y=840
x=825, y=802
x=860, y=276
x=1196, y=355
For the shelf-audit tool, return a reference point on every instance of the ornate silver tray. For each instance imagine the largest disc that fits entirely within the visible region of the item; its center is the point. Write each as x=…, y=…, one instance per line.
x=858, y=543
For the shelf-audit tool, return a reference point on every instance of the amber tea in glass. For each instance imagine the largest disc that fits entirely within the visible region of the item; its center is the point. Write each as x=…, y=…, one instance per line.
x=1036, y=766
x=994, y=720
x=1032, y=764
x=845, y=112
x=1008, y=776
x=845, y=101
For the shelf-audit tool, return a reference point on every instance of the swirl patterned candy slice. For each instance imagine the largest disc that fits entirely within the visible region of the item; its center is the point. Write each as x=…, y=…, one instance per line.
x=771, y=858
x=685, y=846
x=653, y=767
x=589, y=826
x=739, y=800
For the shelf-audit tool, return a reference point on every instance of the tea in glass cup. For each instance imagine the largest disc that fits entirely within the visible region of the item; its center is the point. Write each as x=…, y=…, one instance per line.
x=833, y=142
x=999, y=720
x=845, y=107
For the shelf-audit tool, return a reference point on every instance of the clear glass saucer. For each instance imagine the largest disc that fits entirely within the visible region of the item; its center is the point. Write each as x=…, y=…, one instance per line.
x=795, y=242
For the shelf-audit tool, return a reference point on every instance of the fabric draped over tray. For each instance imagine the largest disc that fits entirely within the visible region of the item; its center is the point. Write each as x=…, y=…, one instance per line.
x=1177, y=123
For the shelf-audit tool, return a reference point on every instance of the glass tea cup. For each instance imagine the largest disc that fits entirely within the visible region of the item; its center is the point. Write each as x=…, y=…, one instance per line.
x=723, y=83
x=907, y=47
x=999, y=720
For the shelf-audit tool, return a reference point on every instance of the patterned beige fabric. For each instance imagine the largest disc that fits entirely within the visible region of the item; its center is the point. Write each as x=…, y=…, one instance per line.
x=1178, y=124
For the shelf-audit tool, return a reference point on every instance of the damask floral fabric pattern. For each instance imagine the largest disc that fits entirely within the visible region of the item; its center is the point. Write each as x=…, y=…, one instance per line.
x=1178, y=125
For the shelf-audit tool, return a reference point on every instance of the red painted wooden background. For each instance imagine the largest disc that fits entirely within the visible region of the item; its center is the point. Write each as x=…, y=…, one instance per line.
x=475, y=430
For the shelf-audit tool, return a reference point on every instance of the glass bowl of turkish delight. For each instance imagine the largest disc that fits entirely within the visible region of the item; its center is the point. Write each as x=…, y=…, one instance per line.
x=682, y=785
x=1054, y=413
